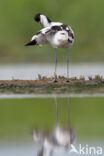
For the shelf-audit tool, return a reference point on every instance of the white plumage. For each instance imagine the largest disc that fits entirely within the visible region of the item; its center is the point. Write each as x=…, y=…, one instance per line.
x=57, y=34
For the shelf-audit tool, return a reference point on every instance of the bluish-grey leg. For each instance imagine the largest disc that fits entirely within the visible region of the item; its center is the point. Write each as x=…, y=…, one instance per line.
x=67, y=66
x=56, y=61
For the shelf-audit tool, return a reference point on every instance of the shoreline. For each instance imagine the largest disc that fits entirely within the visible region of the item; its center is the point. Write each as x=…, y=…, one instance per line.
x=44, y=85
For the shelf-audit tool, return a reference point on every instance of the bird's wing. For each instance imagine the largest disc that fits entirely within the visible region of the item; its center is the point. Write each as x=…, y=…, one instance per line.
x=51, y=30
x=56, y=24
x=44, y=31
x=38, y=39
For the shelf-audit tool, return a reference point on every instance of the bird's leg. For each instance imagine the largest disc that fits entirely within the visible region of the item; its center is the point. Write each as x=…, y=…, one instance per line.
x=57, y=112
x=68, y=110
x=67, y=66
x=56, y=61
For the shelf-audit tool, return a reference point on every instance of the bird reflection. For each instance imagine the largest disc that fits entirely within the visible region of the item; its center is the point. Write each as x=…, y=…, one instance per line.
x=58, y=138
x=63, y=137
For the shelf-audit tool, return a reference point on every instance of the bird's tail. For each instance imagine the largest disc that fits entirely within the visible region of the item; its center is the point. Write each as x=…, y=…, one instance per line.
x=31, y=43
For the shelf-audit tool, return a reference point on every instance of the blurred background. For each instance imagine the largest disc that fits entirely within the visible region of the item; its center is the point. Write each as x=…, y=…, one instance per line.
x=17, y=27
x=19, y=116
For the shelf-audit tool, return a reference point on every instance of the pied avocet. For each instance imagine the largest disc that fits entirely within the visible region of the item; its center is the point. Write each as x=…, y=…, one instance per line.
x=63, y=137
x=58, y=138
x=57, y=34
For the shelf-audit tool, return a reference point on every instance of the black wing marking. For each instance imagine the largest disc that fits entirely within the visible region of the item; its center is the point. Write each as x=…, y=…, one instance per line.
x=37, y=39
x=56, y=28
x=31, y=43
x=68, y=29
x=53, y=30
x=65, y=27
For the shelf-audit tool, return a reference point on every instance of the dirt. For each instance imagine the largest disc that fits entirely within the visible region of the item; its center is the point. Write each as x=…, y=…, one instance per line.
x=44, y=85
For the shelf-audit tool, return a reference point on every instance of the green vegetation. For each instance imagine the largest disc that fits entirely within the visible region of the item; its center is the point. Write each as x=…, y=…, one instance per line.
x=19, y=116
x=17, y=26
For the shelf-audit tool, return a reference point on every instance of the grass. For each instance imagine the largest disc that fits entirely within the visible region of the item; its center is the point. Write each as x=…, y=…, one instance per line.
x=19, y=116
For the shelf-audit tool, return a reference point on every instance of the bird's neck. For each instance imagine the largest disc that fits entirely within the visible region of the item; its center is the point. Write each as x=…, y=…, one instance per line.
x=44, y=21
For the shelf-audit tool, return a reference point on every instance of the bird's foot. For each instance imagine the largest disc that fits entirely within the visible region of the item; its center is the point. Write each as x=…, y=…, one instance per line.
x=55, y=81
x=55, y=78
x=67, y=80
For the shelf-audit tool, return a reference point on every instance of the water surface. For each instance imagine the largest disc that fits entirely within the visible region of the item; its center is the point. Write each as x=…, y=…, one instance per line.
x=19, y=116
x=31, y=71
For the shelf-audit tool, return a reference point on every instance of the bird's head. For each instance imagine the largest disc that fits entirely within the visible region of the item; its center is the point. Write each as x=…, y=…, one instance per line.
x=42, y=19
x=37, y=17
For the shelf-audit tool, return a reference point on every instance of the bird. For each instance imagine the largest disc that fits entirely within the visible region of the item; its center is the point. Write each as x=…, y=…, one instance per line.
x=57, y=34
x=46, y=142
x=42, y=137
x=63, y=137
x=46, y=149
x=39, y=135
x=57, y=138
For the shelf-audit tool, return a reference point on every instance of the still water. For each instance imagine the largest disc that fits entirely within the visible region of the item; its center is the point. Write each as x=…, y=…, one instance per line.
x=20, y=149
x=31, y=71
x=21, y=118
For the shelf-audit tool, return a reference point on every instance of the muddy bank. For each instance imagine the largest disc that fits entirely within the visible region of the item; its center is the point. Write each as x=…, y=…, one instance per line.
x=45, y=85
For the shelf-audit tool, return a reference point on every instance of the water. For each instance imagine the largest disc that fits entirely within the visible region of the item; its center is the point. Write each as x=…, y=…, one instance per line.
x=31, y=149
x=31, y=71
x=17, y=149
x=19, y=116
x=43, y=96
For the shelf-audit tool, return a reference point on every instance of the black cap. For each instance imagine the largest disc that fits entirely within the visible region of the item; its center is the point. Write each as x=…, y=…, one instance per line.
x=37, y=17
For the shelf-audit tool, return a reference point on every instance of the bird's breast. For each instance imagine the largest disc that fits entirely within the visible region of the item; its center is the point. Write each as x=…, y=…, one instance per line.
x=60, y=40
